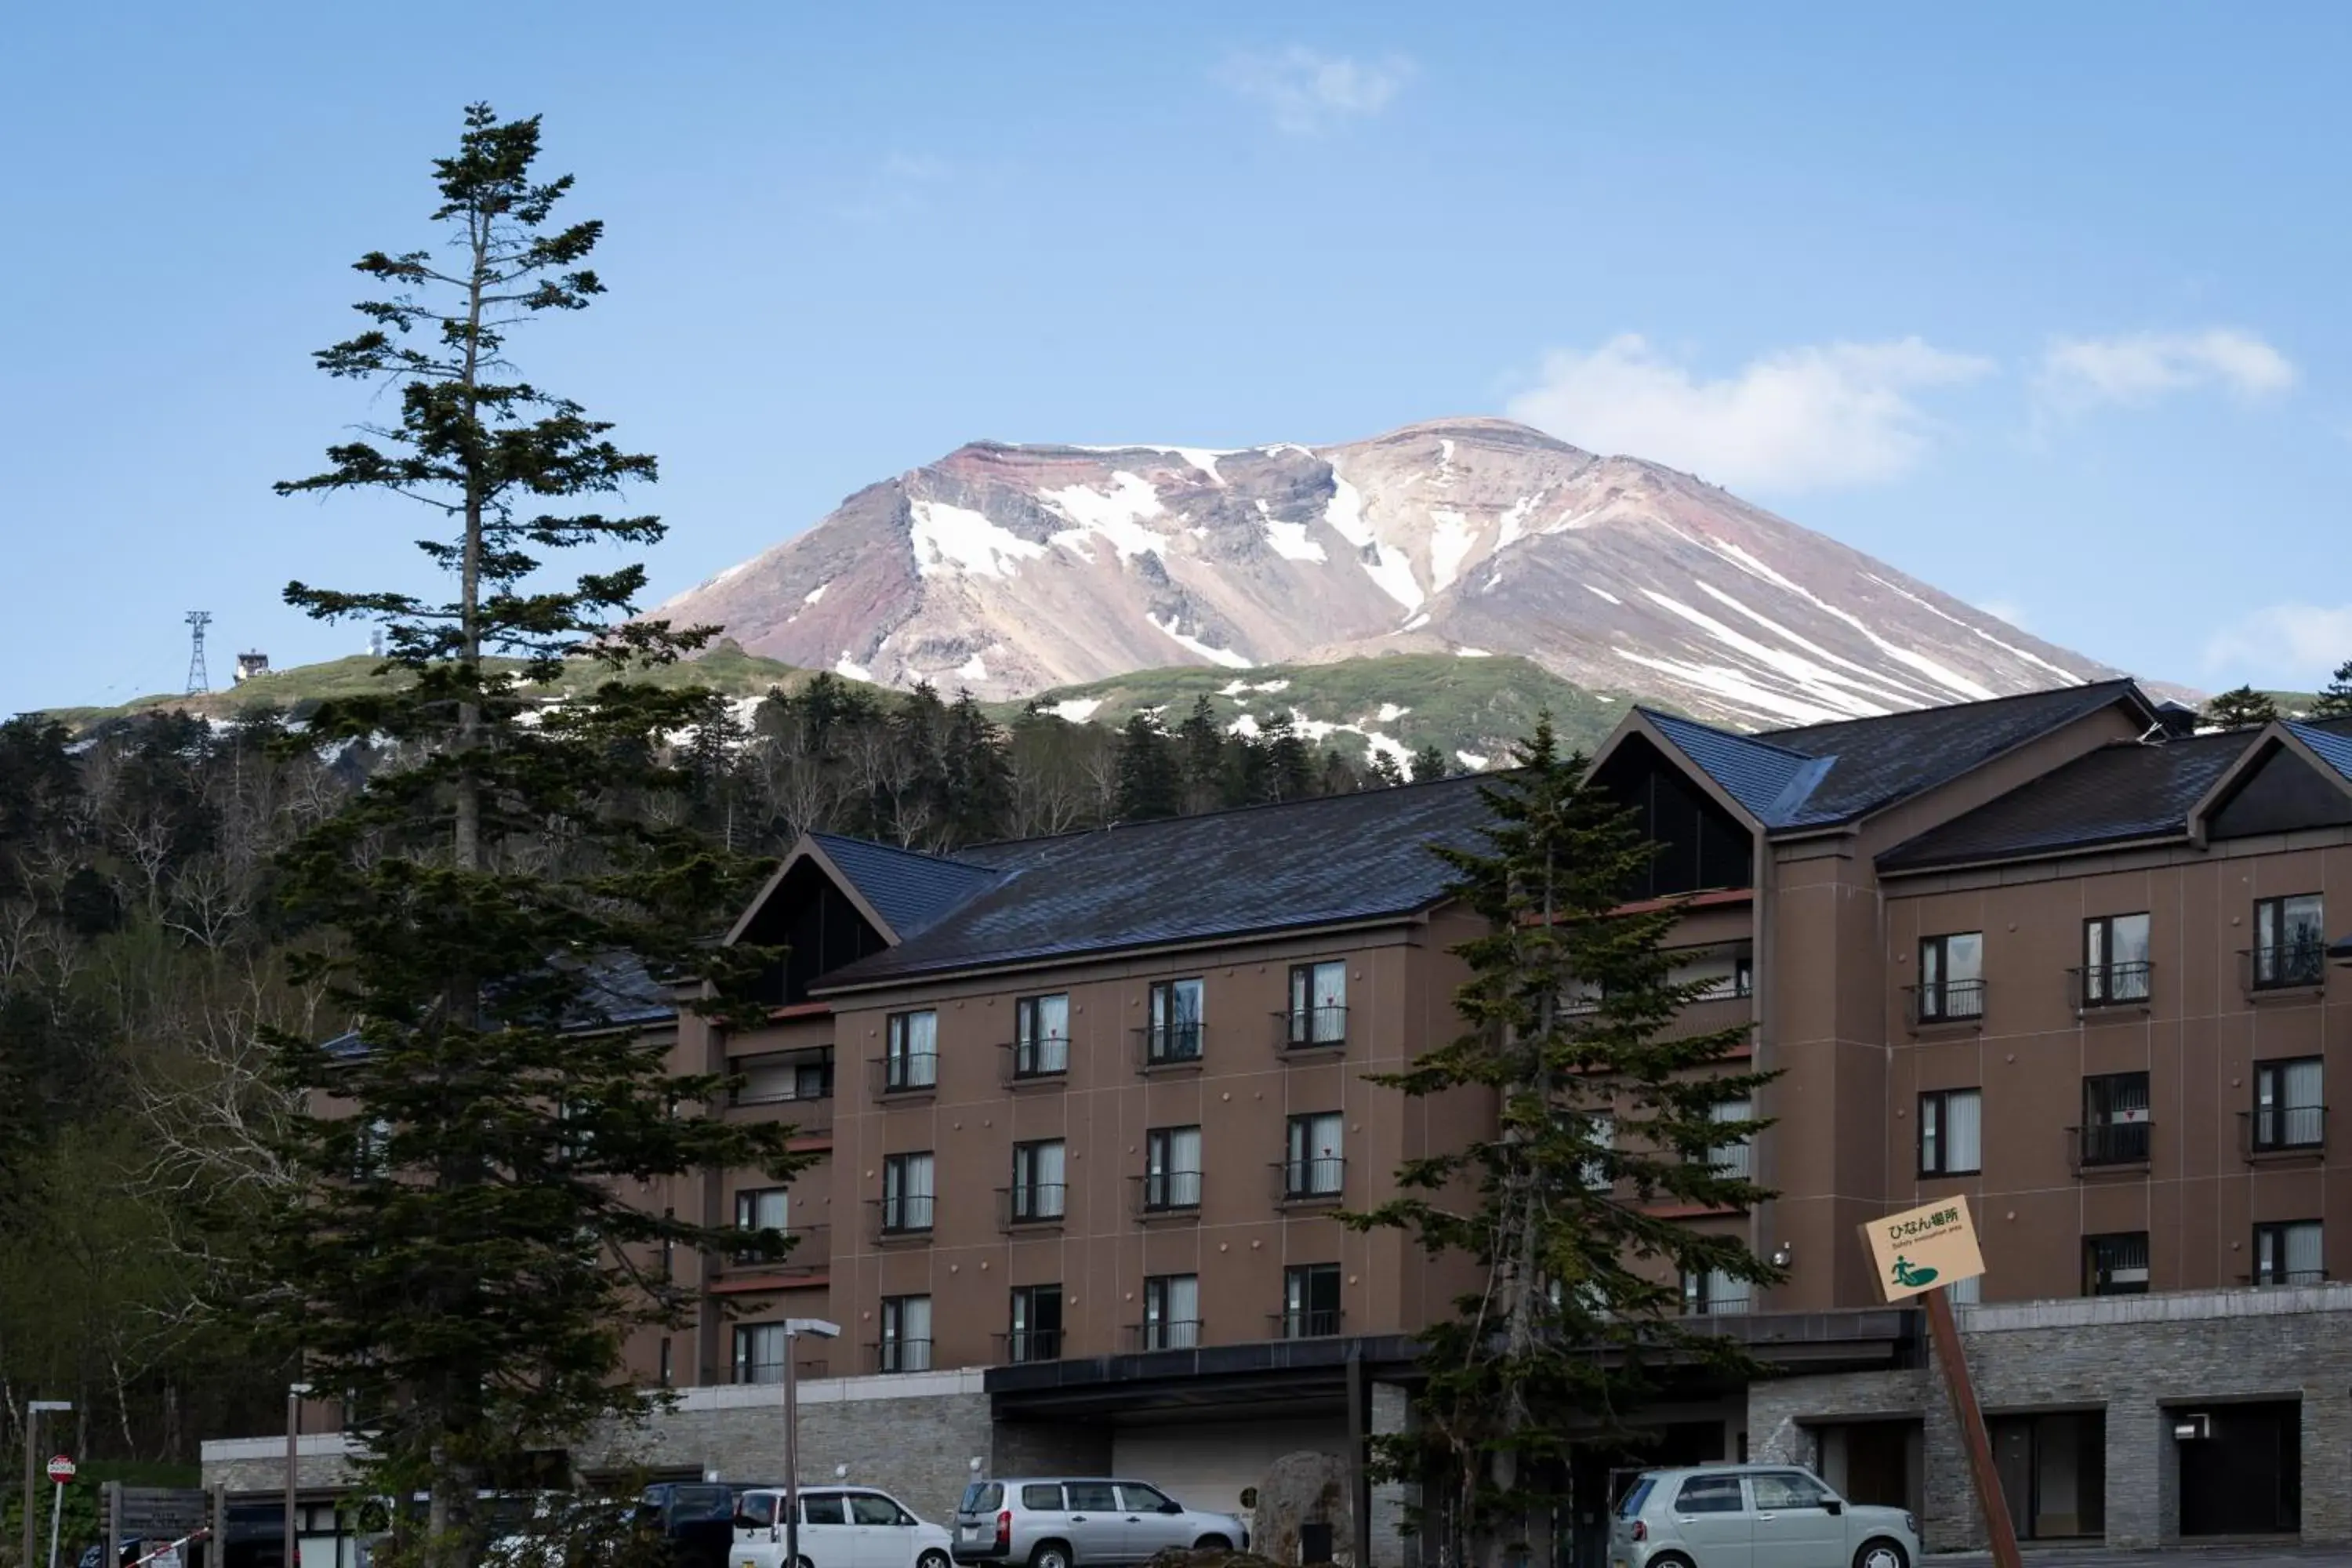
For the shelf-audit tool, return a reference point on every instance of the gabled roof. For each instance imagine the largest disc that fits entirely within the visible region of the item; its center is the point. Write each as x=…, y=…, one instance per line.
x=2330, y=745
x=909, y=890
x=1757, y=773
x=1338, y=859
x=616, y=991
x=2115, y=794
x=1824, y=775
x=1891, y=757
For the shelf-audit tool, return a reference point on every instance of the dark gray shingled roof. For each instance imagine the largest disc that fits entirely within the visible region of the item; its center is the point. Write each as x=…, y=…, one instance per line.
x=1263, y=868
x=909, y=890
x=1757, y=773
x=2333, y=745
x=2110, y=796
x=616, y=991
x=1885, y=759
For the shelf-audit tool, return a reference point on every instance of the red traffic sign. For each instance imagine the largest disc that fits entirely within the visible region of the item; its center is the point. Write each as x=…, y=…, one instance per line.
x=61, y=1469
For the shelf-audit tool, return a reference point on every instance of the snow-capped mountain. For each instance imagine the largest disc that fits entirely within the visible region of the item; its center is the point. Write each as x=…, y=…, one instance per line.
x=1012, y=568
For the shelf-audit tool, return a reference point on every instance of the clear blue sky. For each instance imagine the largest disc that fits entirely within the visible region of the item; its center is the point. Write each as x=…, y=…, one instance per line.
x=2040, y=303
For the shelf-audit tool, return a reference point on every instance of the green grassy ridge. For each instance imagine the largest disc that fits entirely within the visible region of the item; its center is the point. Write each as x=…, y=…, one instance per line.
x=1457, y=704
x=726, y=668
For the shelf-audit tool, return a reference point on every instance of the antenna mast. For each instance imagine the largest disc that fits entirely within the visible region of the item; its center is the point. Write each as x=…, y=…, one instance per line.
x=197, y=679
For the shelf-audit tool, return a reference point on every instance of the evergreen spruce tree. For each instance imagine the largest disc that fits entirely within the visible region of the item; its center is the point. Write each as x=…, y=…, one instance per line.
x=1605, y=1112
x=2242, y=707
x=2335, y=696
x=1149, y=784
x=979, y=775
x=1290, y=770
x=1428, y=763
x=480, y=1221
x=1201, y=746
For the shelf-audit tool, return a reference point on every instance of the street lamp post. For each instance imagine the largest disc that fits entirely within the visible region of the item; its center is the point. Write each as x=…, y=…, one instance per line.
x=815, y=1327
x=34, y=1410
x=294, y=1394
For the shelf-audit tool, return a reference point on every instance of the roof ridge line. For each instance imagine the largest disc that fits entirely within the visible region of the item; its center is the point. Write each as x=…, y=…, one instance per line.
x=1746, y=737
x=1078, y=833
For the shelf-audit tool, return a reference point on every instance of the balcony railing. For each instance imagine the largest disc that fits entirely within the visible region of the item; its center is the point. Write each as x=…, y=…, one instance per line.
x=1046, y=1059
x=1321, y=1028
x=2111, y=1143
x=906, y=1073
x=2293, y=966
x=2288, y=1277
x=1166, y=1192
x=1946, y=1001
x=908, y=1217
x=2111, y=985
x=811, y=1253
x=2282, y=1129
x=1306, y=1323
x=1169, y=1045
x=1168, y=1334
x=1317, y=1181
x=1032, y=1204
x=901, y=1356
x=1031, y=1344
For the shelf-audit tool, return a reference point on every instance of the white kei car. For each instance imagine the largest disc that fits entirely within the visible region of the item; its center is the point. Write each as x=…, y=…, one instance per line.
x=841, y=1526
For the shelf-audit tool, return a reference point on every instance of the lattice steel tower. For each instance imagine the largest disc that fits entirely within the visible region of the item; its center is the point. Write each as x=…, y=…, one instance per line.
x=197, y=679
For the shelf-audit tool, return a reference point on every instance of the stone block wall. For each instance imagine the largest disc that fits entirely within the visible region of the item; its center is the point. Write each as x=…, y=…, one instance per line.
x=2139, y=1359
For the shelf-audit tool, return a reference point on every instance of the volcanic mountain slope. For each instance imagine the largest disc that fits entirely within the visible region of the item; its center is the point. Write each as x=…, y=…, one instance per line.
x=1012, y=568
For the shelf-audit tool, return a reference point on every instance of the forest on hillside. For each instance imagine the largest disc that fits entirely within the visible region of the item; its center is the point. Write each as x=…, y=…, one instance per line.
x=141, y=947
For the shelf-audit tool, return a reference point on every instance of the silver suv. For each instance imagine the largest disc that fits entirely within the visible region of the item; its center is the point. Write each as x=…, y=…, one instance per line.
x=1753, y=1516
x=1061, y=1524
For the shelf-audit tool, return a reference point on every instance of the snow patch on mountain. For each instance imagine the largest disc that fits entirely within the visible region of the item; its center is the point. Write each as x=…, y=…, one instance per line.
x=1214, y=655
x=1118, y=516
x=952, y=539
x=1449, y=546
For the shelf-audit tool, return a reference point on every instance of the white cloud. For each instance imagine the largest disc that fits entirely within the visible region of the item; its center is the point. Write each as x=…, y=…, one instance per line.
x=1805, y=418
x=2078, y=374
x=1308, y=92
x=2289, y=646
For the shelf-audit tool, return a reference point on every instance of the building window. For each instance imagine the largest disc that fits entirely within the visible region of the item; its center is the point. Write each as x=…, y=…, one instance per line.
x=782, y=1079
x=907, y=1191
x=1037, y=1181
x=910, y=1052
x=2114, y=960
x=1966, y=1292
x=1036, y=1324
x=1041, y=1036
x=667, y=1375
x=760, y=1352
x=1171, y=1313
x=1713, y=1293
x=1732, y=1159
x=1601, y=1128
x=2290, y=941
x=2288, y=1253
x=905, y=1334
x=2115, y=1120
x=2290, y=1113
x=1315, y=1166
x=1310, y=1301
x=757, y=1211
x=1172, y=1027
x=1171, y=1168
x=1319, y=1004
x=1951, y=1133
x=1951, y=978
x=1718, y=974
x=2115, y=1264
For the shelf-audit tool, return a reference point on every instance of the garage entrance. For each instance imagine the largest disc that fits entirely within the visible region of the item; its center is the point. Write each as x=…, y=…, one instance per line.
x=2243, y=1475
x=1874, y=1461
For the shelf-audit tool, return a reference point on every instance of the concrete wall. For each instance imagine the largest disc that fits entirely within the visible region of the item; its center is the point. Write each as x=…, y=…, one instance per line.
x=2141, y=1359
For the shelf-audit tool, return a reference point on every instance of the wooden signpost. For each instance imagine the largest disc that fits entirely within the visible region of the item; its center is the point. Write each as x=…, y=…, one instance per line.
x=1923, y=1252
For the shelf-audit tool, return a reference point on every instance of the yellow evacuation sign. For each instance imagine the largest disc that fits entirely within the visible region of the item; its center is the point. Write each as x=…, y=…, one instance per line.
x=1922, y=1248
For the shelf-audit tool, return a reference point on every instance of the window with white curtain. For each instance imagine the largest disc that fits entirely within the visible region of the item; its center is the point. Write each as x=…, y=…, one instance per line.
x=1951, y=1133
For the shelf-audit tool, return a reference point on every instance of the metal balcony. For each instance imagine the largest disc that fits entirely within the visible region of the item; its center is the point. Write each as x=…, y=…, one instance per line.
x=1306, y=1030
x=1167, y=1194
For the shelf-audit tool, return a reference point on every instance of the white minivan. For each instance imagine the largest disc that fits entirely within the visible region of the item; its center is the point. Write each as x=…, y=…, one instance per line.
x=1753, y=1516
x=841, y=1526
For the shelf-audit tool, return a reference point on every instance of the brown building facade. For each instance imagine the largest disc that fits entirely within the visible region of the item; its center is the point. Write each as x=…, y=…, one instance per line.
x=1087, y=1106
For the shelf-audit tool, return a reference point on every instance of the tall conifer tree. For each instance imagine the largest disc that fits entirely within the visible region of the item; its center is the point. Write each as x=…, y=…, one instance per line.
x=1606, y=1110
x=484, y=1214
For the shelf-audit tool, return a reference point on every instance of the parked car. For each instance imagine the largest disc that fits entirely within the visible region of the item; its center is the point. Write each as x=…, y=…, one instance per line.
x=1753, y=1516
x=841, y=1526
x=1063, y=1523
